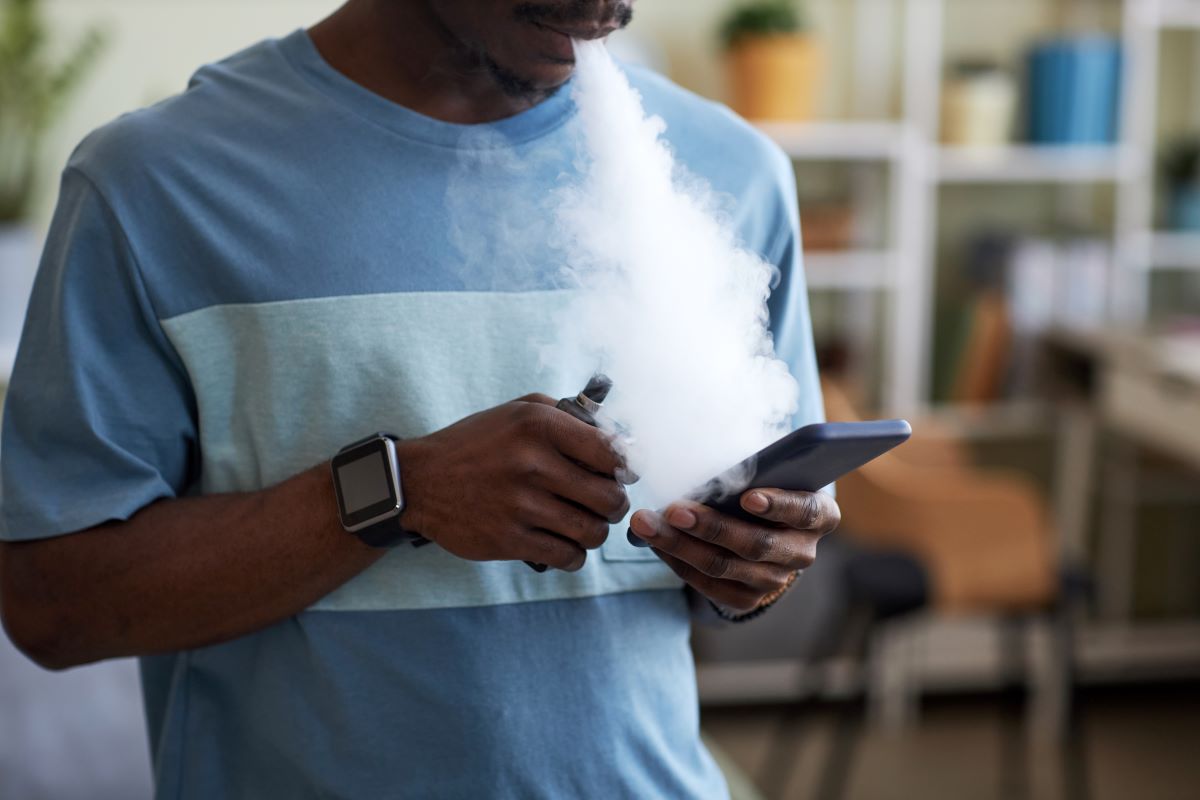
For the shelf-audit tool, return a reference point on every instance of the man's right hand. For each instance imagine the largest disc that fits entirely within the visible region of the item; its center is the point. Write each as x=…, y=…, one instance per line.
x=502, y=484
x=522, y=481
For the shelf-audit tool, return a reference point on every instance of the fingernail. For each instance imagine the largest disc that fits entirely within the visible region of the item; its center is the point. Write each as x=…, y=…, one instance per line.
x=681, y=518
x=642, y=527
x=626, y=476
x=757, y=502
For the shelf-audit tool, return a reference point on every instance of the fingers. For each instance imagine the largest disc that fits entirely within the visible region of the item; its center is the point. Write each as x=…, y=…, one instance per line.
x=602, y=496
x=711, y=560
x=544, y=547
x=735, y=596
x=568, y=521
x=758, y=543
x=806, y=511
x=573, y=438
x=585, y=444
x=538, y=397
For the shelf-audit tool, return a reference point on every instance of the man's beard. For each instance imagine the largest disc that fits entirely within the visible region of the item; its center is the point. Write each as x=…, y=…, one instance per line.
x=514, y=85
x=575, y=11
x=570, y=12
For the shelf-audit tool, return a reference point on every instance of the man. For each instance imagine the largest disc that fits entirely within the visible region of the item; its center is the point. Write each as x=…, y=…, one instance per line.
x=249, y=276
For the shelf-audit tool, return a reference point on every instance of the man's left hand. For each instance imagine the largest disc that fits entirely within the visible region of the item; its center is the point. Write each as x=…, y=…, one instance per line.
x=736, y=564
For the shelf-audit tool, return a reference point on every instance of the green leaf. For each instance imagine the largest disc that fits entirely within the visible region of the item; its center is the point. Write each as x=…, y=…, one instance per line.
x=1181, y=161
x=33, y=90
x=762, y=18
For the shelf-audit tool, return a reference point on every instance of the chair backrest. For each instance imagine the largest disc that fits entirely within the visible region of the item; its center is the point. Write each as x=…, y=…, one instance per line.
x=985, y=535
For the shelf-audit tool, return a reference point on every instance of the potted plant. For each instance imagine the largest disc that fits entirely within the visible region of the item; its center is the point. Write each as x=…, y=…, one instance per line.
x=33, y=88
x=773, y=62
x=1181, y=173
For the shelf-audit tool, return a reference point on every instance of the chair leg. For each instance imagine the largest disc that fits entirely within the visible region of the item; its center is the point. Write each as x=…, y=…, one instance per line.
x=1072, y=742
x=1014, y=767
x=839, y=762
x=780, y=764
x=893, y=700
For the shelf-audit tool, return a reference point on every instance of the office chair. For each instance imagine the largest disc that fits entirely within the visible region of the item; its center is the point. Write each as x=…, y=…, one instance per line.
x=930, y=533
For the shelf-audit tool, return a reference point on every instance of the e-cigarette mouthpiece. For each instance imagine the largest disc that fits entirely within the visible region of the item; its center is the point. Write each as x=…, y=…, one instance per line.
x=586, y=405
x=597, y=388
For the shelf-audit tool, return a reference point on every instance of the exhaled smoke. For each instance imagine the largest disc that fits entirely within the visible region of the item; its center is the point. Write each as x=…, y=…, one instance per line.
x=670, y=305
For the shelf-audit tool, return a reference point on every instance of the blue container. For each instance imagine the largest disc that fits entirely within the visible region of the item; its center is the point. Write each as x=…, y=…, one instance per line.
x=1185, y=208
x=1074, y=85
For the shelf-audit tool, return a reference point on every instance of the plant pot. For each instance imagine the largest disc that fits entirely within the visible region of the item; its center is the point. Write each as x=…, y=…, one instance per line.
x=1185, y=208
x=775, y=77
x=18, y=264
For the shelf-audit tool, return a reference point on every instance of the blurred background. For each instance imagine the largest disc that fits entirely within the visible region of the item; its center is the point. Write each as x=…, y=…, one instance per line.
x=1001, y=212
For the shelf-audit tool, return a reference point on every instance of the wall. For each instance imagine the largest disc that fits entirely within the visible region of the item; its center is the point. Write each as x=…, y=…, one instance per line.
x=156, y=44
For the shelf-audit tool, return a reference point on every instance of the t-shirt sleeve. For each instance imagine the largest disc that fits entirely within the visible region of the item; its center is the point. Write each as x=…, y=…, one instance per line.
x=791, y=323
x=99, y=419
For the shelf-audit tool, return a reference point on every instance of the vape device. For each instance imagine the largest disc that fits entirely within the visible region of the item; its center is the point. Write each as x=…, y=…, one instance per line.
x=583, y=407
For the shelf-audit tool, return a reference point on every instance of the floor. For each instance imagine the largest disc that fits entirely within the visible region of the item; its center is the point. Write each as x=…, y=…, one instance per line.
x=1141, y=743
x=1138, y=743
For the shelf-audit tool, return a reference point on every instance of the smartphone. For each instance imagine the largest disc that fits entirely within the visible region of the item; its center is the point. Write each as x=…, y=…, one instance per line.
x=806, y=460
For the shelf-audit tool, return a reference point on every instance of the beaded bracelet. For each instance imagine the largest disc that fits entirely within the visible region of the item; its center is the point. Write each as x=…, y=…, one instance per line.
x=762, y=607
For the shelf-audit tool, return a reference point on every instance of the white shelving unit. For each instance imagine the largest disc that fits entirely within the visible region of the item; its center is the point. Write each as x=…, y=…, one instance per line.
x=839, y=141
x=1141, y=250
x=1173, y=251
x=851, y=269
x=1178, y=14
x=919, y=166
x=1032, y=164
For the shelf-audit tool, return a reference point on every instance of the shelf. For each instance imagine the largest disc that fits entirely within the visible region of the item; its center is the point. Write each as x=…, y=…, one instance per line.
x=1183, y=14
x=849, y=269
x=1171, y=250
x=1032, y=164
x=838, y=141
x=1000, y=420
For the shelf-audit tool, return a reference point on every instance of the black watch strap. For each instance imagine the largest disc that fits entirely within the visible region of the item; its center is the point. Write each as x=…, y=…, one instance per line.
x=385, y=534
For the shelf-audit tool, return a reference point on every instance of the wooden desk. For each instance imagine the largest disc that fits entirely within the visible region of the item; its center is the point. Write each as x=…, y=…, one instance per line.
x=1144, y=388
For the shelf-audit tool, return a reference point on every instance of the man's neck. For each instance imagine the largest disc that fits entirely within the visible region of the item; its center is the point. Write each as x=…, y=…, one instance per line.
x=401, y=51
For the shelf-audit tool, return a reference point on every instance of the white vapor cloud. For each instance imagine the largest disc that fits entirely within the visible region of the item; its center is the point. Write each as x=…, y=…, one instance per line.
x=668, y=303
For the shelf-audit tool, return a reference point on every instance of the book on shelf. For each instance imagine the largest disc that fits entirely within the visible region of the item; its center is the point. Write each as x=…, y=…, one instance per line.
x=1054, y=284
x=1021, y=289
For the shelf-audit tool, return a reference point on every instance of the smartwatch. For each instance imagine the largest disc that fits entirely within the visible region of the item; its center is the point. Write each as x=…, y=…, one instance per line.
x=366, y=479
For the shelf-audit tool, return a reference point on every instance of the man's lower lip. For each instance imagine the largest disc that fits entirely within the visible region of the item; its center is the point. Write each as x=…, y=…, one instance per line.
x=595, y=33
x=559, y=45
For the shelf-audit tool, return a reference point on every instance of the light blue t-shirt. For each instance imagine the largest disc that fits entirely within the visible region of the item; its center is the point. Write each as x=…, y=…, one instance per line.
x=244, y=278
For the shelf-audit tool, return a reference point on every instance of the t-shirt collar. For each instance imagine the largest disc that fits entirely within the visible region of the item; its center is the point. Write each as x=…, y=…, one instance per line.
x=300, y=51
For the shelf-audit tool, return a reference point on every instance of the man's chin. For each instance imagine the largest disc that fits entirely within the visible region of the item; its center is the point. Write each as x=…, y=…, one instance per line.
x=551, y=76
x=534, y=81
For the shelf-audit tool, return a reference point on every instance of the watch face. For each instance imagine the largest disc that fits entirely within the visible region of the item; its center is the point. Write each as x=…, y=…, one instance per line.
x=366, y=486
